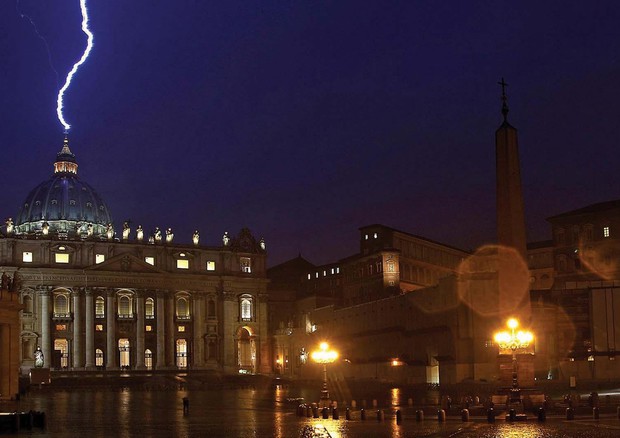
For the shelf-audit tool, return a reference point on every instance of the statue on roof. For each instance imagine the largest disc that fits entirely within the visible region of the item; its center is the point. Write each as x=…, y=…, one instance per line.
x=225, y=238
x=9, y=226
x=196, y=237
x=169, y=235
x=126, y=230
x=139, y=233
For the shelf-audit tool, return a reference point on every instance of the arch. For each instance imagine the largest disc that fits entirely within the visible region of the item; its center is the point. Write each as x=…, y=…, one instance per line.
x=99, y=307
x=181, y=354
x=246, y=350
x=182, y=307
x=148, y=359
x=149, y=308
x=125, y=304
x=99, y=358
x=124, y=348
x=61, y=304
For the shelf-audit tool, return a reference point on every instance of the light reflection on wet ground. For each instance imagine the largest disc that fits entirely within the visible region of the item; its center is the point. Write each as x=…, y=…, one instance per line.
x=255, y=413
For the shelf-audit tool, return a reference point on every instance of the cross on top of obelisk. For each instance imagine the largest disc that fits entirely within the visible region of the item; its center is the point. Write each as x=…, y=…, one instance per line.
x=504, y=99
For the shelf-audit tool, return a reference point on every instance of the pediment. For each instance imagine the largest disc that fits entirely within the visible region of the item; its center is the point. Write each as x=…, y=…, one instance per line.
x=125, y=263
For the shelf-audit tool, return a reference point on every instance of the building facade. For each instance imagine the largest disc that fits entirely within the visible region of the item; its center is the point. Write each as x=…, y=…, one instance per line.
x=97, y=299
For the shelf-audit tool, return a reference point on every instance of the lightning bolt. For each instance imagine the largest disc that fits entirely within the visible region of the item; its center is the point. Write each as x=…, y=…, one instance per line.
x=36, y=30
x=89, y=46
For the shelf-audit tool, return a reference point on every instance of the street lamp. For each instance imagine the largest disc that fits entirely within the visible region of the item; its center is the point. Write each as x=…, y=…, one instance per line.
x=514, y=340
x=324, y=356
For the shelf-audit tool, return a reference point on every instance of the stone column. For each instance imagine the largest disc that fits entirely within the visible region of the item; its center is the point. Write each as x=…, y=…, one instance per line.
x=198, y=351
x=262, y=349
x=170, y=332
x=230, y=316
x=140, y=331
x=90, y=331
x=78, y=359
x=161, y=333
x=110, y=315
x=46, y=341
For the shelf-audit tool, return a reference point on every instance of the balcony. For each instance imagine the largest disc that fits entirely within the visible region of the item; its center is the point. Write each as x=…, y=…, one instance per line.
x=126, y=316
x=62, y=316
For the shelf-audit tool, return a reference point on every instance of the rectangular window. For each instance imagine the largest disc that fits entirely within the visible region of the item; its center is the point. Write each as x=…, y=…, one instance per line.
x=27, y=257
x=605, y=231
x=99, y=327
x=60, y=257
x=182, y=264
x=150, y=260
x=210, y=265
x=181, y=328
x=246, y=264
x=99, y=258
x=148, y=328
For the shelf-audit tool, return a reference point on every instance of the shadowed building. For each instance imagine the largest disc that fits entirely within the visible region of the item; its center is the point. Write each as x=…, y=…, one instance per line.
x=93, y=300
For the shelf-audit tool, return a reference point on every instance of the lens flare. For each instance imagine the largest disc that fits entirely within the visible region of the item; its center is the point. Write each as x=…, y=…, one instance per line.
x=89, y=46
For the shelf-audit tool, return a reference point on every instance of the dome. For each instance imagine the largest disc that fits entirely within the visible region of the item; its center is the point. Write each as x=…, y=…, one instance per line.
x=63, y=205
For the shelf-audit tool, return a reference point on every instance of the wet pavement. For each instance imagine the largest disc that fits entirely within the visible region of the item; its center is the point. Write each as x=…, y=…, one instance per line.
x=264, y=412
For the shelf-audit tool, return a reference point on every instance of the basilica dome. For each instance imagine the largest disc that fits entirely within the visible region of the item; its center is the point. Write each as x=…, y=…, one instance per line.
x=64, y=205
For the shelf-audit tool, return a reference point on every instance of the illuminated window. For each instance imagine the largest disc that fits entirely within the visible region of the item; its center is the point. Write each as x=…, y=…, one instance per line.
x=149, y=308
x=61, y=305
x=245, y=308
x=337, y=270
x=366, y=236
x=27, y=257
x=324, y=273
x=61, y=327
x=246, y=264
x=99, y=258
x=605, y=231
x=99, y=307
x=148, y=359
x=333, y=271
x=98, y=358
x=148, y=328
x=182, y=264
x=99, y=327
x=61, y=257
x=210, y=265
x=375, y=236
x=182, y=308
x=150, y=260
x=309, y=276
x=181, y=328
x=125, y=308
x=590, y=358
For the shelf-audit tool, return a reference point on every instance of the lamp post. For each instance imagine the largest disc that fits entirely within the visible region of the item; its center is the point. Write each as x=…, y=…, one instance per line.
x=514, y=340
x=324, y=356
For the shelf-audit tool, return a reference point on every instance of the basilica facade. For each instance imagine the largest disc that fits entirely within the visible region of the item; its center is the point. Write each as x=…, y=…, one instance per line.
x=98, y=298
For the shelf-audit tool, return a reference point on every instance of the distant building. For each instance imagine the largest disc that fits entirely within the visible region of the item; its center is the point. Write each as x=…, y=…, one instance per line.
x=100, y=297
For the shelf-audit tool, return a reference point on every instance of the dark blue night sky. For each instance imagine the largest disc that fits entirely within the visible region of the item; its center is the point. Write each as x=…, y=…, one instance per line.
x=304, y=120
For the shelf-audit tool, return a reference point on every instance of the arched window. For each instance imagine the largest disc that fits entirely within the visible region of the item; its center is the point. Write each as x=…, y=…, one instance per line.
x=149, y=308
x=211, y=309
x=61, y=305
x=99, y=307
x=245, y=308
x=125, y=307
x=148, y=359
x=181, y=354
x=182, y=308
x=98, y=358
x=124, y=350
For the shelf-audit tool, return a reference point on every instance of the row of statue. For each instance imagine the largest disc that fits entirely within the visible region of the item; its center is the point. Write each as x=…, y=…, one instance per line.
x=156, y=237
x=10, y=284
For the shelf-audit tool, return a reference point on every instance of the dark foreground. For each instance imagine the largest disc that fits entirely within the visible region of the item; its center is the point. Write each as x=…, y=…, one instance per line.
x=260, y=411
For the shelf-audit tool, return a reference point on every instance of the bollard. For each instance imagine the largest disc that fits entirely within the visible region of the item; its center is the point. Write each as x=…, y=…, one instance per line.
x=419, y=414
x=374, y=402
x=353, y=404
x=363, y=414
x=347, y=414
x=570, y=414
x=299, y=408
x=399, y=417
x=441, y=415
x=335, y=414
x=380, y=415
x=315, y=411
x=490, y=415
x=308, y=411
x=595, y=413
x=465, y=415
x=512, y=415
x=542, y=415
x=325, y=413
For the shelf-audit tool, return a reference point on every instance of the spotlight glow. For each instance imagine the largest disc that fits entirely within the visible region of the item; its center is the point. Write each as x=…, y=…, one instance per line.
x=89, y=46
